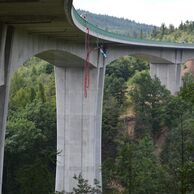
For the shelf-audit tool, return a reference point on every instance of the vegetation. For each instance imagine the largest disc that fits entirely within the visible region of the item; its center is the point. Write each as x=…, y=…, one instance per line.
x=83, y=187
x=136, y=166
x=30, y=149
x=118, y=25
x=182, y=34
x=158, y=115
x=133, y=164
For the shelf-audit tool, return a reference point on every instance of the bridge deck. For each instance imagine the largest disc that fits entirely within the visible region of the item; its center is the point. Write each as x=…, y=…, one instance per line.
x=58, y=19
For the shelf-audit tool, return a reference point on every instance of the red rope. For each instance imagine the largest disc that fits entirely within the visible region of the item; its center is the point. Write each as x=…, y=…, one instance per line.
x=88, y=50
x=87, y=64
x=88, y=58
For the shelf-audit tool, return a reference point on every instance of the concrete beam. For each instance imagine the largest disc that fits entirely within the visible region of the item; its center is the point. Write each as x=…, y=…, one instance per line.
x=78, y=126
x=169, y=75
x=151, y=54
x=54, y=51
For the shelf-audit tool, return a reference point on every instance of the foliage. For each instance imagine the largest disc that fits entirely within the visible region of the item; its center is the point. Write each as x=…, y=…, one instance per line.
x=115, y=97
x=187, y=91
x=118, y=25
x=138, y=169
x=126, y=67
x=177, y=154
x=183, y=34
x=30, y=149
x=150, y=99
x=83, y=187
x=130, y=163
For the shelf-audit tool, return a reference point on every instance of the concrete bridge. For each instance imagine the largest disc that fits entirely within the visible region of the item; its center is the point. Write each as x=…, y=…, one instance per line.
x=52, y=30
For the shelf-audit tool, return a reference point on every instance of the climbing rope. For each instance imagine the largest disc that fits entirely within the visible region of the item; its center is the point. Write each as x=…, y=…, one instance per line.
x=87, y=64
x=88, y=50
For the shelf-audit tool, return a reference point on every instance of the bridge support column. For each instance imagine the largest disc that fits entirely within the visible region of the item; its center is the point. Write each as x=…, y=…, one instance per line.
x=4, y=90
x=5, y=74
x=169, y=75
x=78, y=126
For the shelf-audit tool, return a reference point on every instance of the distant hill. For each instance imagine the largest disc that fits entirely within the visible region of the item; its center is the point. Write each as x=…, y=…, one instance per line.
x=118, y=25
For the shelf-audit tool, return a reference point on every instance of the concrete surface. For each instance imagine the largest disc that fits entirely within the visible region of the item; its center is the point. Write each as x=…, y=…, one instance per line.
x=168, y=74
x=45, y=28
x=78, y=126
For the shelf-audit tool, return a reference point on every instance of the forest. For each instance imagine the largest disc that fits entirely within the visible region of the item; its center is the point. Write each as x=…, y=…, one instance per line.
x=147, y=133
x=117, y=25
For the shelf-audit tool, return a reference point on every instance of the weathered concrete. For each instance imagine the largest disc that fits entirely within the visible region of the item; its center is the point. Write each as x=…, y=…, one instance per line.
x=20, y=48
x=78, y=125
x=78, y=118
x=26, y=45
x=169, y=75
x=98, y=135
x=156, y=55
x=48, y=30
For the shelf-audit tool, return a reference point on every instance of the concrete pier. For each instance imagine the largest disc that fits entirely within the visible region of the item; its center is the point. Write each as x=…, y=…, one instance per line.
x=3, y=116
x=168, y=74
x=78, y=126
x=5, y=77
x=55, y=32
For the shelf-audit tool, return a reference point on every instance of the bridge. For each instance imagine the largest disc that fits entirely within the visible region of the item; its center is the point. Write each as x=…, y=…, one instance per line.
x=52, y=30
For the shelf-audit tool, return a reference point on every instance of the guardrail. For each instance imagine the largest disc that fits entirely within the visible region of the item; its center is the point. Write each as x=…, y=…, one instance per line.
x=117, y=37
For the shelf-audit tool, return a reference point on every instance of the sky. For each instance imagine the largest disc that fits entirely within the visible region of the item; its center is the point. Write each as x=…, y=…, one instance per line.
x=153, y=12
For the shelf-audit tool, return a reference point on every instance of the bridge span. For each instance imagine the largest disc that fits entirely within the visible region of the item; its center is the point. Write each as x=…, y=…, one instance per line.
x=52, y=30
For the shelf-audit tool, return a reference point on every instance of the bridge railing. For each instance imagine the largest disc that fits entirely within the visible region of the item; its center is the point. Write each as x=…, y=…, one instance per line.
x=118, y=37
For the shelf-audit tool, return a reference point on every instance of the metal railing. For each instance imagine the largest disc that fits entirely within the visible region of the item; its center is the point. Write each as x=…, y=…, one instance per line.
x=103, y=33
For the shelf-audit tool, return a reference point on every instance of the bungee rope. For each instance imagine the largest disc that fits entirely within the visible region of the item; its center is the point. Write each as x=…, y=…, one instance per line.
x=87, y=64
x=88, y=50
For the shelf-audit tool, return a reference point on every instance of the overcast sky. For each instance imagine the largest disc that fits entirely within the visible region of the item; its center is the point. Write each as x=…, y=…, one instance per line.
x=143, y=11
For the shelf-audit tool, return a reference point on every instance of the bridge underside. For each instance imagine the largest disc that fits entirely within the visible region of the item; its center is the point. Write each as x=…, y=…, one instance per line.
x=40, y=17
x=45, y=28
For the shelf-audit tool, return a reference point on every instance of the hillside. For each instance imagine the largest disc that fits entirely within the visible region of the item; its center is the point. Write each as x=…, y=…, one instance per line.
x=183, y=33
x=118, y=25
x=147, y=134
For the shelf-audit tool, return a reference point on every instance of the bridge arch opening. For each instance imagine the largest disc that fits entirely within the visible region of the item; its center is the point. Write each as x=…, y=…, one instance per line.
x=162, y=65
x=152, y=56
x=134, y=124
x=135, y=119
x=30, y=145
x=118, y=120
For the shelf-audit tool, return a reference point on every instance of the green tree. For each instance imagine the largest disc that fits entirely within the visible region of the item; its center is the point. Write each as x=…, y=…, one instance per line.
x=138, y=168
x=150, y=99
x=177, y=154
x=30, y=150
x=83, y=187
